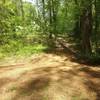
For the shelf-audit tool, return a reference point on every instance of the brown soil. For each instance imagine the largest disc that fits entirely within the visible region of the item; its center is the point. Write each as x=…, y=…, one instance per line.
x=49, y=77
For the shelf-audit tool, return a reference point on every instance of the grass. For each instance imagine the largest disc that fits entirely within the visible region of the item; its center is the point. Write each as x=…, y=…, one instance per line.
x=16, y=48
x=31, y=49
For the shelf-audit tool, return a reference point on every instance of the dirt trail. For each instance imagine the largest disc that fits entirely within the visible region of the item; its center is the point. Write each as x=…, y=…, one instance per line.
x=49, y=77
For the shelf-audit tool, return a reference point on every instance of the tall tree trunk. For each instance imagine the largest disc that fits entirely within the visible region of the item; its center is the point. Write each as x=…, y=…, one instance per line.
x=97, y=23
x=77, y=23
x=44, y=18
x=50, y=19
x=86, y=29
x=54, y=4
x=22, y=10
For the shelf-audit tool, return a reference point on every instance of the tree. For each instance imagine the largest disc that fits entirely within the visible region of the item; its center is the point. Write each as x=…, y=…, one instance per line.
x=86, y=26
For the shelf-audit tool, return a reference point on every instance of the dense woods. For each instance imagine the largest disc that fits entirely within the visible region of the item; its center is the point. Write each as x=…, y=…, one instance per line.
x=49, y=49
x=29, y=26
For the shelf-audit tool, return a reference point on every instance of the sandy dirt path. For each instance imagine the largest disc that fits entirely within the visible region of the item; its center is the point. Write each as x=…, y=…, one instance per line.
x=49, y=77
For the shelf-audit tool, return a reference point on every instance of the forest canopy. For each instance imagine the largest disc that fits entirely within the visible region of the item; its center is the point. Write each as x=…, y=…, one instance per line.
x=31, y=26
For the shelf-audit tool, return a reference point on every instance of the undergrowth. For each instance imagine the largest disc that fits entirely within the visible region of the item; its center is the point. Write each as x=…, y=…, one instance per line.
x=16, y=48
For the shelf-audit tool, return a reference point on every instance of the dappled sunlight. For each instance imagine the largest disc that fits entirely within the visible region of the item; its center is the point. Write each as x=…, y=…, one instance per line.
x=50, y=77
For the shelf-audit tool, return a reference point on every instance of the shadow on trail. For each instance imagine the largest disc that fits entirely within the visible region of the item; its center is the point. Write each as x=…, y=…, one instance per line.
x=73, y=81
x=93, y=83
x=4, y=81
x=75, y=57
x=74, y=54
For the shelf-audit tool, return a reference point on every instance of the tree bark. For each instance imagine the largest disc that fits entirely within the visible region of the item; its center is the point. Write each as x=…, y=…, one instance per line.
x=86, y=29
x=50, y=19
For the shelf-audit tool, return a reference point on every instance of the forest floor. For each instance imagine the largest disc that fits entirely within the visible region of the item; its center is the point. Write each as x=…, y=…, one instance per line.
x=49, y=76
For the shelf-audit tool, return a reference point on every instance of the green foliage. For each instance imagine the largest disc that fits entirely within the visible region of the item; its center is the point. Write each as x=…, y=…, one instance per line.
x=94, y=59
x=29, y=49
x=16, y=48
x=24, y=25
